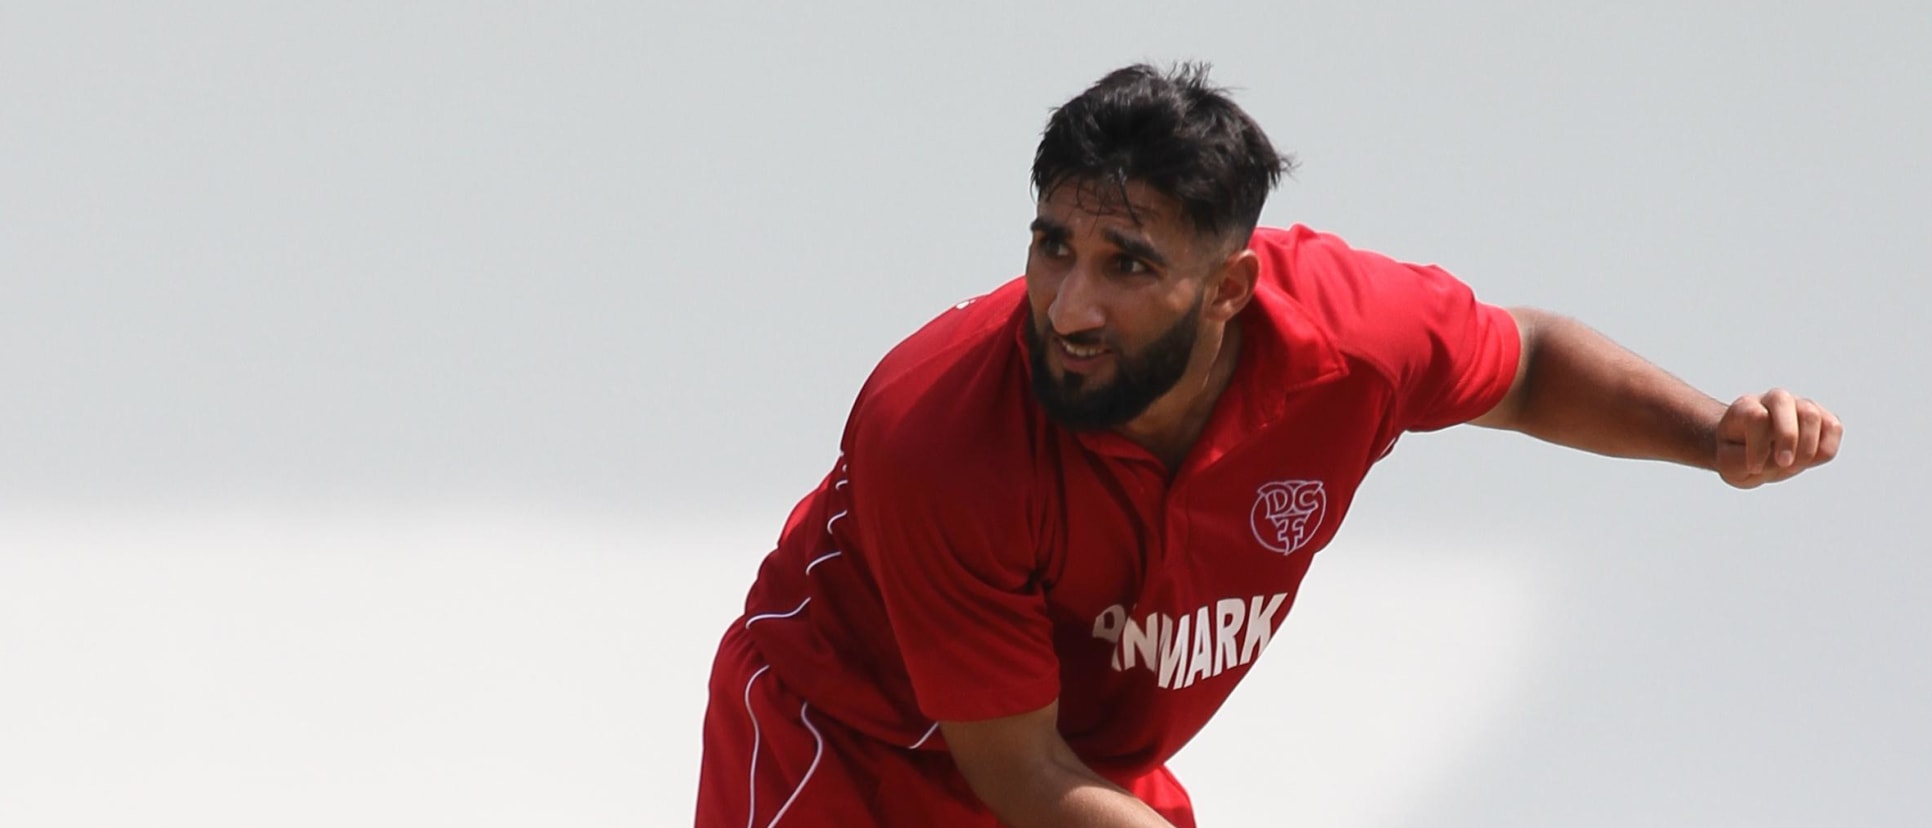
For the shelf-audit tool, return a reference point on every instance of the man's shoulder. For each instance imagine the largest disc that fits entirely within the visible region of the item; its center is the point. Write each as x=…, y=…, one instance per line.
x=958, y=384
x=1372, y=306
x=1338, y=283
x=976, y=330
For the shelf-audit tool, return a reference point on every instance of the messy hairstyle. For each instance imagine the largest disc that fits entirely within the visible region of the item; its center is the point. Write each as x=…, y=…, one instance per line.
x=1172, y=131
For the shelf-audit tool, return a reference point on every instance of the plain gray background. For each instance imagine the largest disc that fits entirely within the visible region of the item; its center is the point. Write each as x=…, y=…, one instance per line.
x=398, y=397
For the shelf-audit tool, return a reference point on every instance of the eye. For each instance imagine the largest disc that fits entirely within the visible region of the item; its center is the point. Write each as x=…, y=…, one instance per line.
x=1051, y=247
x=1131, y=266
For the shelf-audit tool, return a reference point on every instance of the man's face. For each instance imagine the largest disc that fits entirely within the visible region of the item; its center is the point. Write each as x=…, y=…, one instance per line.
x=1114, y=291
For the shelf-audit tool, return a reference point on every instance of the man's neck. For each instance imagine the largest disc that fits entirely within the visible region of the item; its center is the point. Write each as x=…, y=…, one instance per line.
x=1170, y=427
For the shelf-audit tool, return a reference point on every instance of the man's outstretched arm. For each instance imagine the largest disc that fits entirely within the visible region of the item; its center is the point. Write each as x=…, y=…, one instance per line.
x=1575, y=387
x=1028, y=775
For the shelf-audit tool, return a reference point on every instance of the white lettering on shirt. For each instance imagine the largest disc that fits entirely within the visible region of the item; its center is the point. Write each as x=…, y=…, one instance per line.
x=1181, y=650
x=1174, y=644
x=1138, y=640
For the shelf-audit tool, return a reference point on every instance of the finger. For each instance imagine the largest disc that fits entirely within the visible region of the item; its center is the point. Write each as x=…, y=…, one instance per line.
x=1829, y=433
x=1749, y=423
x=1731, y=462
x=1741, y=418
x=1811, y=422
x=1733, y=426
x=1784, y=426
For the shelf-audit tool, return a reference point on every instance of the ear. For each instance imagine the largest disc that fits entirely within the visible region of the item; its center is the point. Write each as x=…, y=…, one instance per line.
x=1232, y=285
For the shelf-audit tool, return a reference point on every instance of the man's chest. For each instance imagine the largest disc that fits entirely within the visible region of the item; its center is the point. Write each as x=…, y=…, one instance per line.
x=1163, y=593
x=1120, y=540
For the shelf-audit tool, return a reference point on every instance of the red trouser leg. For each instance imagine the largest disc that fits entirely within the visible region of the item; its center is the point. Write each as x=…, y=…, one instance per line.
x=768, y=759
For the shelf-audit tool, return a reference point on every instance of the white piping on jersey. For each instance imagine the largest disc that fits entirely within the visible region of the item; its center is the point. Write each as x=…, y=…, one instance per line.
x=751, y=784
x=801, y=713
x=922, y=740
x=757, y=618
x=818, y=751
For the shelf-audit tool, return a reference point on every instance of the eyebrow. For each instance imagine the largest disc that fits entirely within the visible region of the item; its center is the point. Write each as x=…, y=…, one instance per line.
x=1135, y=245
x=1048, y=227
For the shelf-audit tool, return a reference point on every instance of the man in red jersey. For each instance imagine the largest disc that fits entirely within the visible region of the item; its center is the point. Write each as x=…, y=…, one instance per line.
x=1071, y=513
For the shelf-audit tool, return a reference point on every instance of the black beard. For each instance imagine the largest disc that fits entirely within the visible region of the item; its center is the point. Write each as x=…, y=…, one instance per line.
x=1139, y=378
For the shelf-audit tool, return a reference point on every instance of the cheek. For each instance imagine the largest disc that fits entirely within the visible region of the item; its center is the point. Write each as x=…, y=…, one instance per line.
x=1145, y=324
x=1041, y=288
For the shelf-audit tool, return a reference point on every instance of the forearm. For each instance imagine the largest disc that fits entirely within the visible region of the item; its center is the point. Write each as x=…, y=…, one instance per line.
x=1580, y=389
x=1064, y=793
x=1025, y=771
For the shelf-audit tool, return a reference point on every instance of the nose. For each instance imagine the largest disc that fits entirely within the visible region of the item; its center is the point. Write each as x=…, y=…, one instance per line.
x=1076, y=306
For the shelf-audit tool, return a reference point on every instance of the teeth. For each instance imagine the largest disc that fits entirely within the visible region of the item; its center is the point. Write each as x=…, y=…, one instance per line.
x=1082, y=352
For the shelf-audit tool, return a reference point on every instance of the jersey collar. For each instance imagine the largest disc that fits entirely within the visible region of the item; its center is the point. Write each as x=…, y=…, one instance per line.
x=1284, y=351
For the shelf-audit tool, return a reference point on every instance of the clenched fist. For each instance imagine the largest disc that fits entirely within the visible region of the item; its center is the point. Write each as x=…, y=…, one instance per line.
x=1765, y=438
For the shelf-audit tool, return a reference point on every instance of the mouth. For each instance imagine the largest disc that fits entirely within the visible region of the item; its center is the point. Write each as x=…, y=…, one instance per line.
x=1079, y=358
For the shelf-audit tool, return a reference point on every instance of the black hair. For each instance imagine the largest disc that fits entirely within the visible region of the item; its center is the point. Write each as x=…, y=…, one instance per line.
x=1174, y=132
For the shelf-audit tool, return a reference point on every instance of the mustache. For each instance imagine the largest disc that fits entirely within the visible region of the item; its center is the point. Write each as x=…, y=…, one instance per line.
x=1082, y=339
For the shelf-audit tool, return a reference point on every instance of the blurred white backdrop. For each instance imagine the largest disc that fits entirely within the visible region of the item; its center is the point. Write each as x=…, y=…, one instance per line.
x=397, y=399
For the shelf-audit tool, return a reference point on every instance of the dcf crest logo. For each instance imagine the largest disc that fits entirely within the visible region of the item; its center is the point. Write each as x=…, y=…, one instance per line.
x=1287, y=513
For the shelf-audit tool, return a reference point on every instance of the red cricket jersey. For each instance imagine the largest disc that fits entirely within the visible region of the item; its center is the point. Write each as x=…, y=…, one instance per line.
x=968, y=559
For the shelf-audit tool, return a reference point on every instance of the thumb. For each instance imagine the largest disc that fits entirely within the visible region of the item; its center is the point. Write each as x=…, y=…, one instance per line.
x=1734, y=464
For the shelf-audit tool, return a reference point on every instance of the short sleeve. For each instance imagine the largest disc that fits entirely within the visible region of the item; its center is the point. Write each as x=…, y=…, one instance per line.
x=1462, y=358
x=956, y=576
